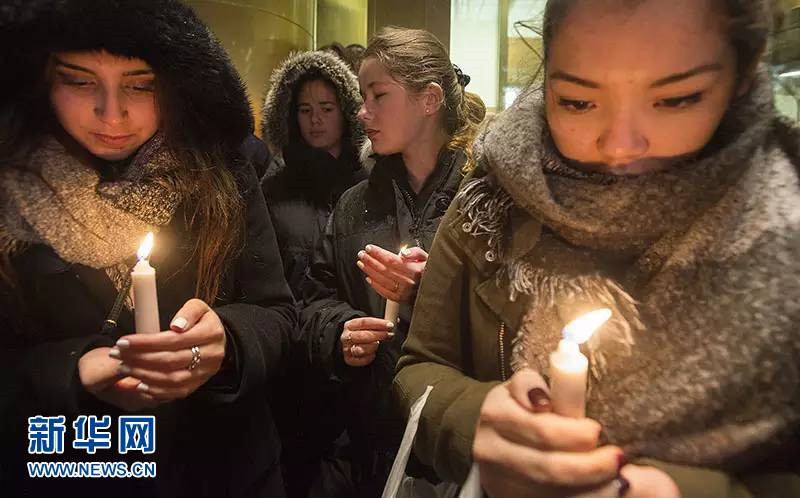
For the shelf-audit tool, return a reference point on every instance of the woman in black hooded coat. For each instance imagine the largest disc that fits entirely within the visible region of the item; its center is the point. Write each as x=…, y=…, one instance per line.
x=315, y=143
x=127, y=118
x=311, y=126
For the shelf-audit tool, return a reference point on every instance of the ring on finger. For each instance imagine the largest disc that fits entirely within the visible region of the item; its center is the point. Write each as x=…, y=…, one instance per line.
x=195, y=358
x=396, y=287
x=353, y=351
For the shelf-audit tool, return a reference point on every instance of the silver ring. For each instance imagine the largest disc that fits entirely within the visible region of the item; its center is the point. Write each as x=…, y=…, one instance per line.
x=353, y=352
x=195, y=358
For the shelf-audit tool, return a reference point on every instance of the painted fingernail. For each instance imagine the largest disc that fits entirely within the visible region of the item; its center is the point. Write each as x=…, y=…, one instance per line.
x=143, y=387
x=390, y=335
x=124, y=369
x=369, y=281
x=369, y=248
x=622, y=461
x=361, y=254
x=360, y=265
x=390, y=325
x=406, y=252
x=114, y=353
x=179, y=323
x=623, y=486
x=539, y=399
x=123, y=344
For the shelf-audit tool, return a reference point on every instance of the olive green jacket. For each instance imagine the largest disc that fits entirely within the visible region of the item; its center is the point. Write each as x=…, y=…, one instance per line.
x=460, y=342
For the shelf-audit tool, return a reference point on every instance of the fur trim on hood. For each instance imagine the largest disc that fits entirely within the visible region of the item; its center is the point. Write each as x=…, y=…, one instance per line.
x=283, y=84
x=200, y=81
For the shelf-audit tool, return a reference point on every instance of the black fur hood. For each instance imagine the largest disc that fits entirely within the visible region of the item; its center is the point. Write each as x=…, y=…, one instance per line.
x=283, y=84
x=201, y=84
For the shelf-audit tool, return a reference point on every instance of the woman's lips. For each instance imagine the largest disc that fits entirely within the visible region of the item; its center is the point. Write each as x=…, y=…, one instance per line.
x=113, y=140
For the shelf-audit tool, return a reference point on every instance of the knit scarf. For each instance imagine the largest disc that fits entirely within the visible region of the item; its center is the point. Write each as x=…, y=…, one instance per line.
x=699, y=263
x=60, y=201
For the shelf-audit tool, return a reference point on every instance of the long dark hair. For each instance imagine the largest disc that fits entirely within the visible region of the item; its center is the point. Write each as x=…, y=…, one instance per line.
x=211, y=199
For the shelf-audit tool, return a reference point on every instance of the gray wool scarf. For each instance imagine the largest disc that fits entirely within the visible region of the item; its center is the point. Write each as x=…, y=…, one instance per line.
x=701, y=363
x=59, y=201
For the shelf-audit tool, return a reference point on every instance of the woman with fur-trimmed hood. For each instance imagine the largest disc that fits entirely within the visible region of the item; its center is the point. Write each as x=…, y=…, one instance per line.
x=311, y=126
x=127, y=118
x=663, y=188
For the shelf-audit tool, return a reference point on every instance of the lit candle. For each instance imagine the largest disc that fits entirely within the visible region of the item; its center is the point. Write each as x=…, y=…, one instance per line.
x=393, y=307
x=569, y=367
x=145, y=297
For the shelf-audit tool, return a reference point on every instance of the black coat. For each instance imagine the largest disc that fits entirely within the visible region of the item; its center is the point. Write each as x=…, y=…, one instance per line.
x=301, y=197
x=220, y=441
x=302, y=184
x=383, y=211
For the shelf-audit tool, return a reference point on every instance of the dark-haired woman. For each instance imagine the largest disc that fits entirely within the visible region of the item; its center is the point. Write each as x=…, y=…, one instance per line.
x=312, y=128
x=128, y=120
x=651, y=176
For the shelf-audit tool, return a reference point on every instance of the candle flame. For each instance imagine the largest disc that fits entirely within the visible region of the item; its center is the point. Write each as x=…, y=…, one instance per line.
x=146, y=247
x=581, y=329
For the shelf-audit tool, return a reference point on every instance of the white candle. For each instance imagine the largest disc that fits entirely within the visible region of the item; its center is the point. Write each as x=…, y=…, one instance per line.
x=145, y=297
x=392, y=310
x=569, y=367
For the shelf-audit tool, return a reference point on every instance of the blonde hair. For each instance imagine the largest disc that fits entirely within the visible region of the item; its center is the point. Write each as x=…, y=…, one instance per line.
x=415, y=58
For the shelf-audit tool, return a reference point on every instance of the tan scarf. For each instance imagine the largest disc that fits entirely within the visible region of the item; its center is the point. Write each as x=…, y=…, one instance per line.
x=701, y=364
x=62, y=202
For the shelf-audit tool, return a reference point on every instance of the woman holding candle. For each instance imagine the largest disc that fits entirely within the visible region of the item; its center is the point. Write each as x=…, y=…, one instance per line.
x=418, y=119
x=126, y=119
x=662, y=187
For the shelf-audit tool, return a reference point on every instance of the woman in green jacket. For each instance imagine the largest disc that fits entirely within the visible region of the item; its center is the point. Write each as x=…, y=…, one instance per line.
x=664, y=187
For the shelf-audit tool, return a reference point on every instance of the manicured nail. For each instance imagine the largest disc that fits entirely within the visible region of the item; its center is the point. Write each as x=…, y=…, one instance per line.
x=114, y=353
x=179, y=323
x=623, y=486
x=390, y=335
x=360, y=265
x=406, y=252
x=361, y=254
x=143, y=387
x=390, y=325
x=369, y=248
x=123, y=344
x=539, y=399
x=124, y=369
x=622, y=461
x=369, y=281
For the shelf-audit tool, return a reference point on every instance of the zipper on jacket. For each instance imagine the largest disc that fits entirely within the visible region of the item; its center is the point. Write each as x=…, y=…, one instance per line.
x=415, y=216
x=502, y=350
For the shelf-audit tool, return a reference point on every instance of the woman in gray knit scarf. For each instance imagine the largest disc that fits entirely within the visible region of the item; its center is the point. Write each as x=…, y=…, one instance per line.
x=127, y=117
x=651, y=175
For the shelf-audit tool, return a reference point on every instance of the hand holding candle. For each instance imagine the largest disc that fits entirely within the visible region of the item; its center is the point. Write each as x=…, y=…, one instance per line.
x=393, y=276
x=569, y=367
x=145, y=297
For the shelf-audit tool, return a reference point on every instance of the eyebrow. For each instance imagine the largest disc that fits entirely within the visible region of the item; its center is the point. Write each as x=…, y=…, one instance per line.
x=320, y=102
x=673, y=78
x=135, y=72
